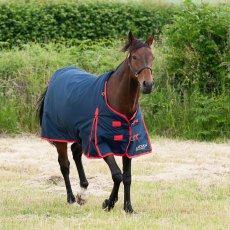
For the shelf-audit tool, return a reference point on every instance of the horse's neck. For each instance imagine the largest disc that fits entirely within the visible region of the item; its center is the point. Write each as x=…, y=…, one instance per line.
x=123, y=91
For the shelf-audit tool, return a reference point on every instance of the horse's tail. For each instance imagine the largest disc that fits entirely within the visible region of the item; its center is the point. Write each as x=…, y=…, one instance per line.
x=40, y=107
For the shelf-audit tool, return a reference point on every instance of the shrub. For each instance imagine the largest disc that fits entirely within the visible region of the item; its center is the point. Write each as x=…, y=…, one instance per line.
x=64, y=22
x=196, y=48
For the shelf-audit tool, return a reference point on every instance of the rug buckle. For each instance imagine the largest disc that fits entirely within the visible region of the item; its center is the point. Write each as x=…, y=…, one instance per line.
x=134, y=138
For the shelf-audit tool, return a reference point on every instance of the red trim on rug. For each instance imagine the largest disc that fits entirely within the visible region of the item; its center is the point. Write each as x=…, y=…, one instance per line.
x=141, y=154
x=98, y=157
x=147, y=134
x=130, y=134
x=113, y=110
x=56, y=140
x=91, y=134
x=95, y=136
x=113, y=154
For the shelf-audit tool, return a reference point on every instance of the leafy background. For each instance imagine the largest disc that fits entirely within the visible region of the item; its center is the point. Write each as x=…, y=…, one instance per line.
x=192, y=94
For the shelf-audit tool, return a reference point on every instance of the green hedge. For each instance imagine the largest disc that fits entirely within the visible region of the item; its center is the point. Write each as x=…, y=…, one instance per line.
x=196, y=49
x=22, y=23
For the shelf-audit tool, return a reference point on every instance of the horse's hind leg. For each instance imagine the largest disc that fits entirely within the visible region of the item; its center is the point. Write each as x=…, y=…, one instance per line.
x=108, y=204
x=64, y=166
x=77, y=155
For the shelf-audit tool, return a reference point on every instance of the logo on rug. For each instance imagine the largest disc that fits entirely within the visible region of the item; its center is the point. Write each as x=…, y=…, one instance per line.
x=141, y=147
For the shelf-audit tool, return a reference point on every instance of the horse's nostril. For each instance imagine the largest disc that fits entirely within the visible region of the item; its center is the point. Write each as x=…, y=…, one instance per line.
x=147, y=84
x=147, y=87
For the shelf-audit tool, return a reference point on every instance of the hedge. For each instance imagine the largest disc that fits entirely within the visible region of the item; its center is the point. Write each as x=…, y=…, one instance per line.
x=196, y=48
x=26, y=22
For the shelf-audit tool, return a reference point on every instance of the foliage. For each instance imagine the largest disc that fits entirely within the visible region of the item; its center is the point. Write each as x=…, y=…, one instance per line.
x=65, y=22
x=192, y=76
x=25, y=74
x=196, y=48
x=204, y=118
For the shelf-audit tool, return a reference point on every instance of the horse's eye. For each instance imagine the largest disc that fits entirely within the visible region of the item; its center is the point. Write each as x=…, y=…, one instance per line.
x=134, y=57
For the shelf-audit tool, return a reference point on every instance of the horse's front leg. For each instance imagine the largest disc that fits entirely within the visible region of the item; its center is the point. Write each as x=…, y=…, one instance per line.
x=127, y=184
x=108, y=204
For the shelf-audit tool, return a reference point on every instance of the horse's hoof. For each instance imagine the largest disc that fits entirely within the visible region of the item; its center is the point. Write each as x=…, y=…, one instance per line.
x=71, y=199
x=131, y=212
x=80, y=199
x=108, y=205
x=128, y=209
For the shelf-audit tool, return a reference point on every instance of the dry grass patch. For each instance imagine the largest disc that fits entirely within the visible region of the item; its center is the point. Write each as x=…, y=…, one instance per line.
x=183, y=185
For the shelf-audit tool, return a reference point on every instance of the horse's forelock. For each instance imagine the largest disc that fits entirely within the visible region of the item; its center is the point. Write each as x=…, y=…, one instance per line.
x=136, y=45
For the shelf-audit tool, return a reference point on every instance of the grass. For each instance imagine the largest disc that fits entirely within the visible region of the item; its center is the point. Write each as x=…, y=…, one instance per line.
x=160, y=205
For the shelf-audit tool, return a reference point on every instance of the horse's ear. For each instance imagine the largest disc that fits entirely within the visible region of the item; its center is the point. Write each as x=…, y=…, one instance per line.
x=129, y=43
x=131, y=38
x=149, y=40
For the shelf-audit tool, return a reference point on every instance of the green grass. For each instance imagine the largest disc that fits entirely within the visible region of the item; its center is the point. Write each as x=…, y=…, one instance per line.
x=160, y=205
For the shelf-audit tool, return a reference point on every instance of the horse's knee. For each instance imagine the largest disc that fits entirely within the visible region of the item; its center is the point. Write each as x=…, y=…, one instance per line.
x=127, y=179
x=117, y=177
x=76, y=150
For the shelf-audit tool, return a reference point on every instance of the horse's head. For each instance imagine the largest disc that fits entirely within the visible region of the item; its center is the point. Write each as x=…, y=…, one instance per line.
x=140, y=61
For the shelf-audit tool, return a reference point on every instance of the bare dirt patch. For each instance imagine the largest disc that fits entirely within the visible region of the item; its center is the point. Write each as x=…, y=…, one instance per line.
x=172, y=160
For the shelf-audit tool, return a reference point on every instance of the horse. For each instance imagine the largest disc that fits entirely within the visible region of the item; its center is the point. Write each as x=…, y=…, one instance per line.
x=103, y=125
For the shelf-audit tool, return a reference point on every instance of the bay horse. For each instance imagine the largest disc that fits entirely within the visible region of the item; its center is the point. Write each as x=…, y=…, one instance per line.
x=100, y=125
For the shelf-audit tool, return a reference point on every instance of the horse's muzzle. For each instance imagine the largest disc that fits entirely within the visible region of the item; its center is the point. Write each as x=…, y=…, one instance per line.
x=147, y=87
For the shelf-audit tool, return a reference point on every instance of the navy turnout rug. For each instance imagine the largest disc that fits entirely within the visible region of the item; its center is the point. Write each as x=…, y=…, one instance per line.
x=76, y=110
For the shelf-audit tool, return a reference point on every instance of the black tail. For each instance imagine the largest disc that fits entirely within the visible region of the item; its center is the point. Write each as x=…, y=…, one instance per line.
x=40, y=106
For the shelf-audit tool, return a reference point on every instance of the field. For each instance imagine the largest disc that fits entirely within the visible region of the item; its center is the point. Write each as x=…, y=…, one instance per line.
x=182, y=185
